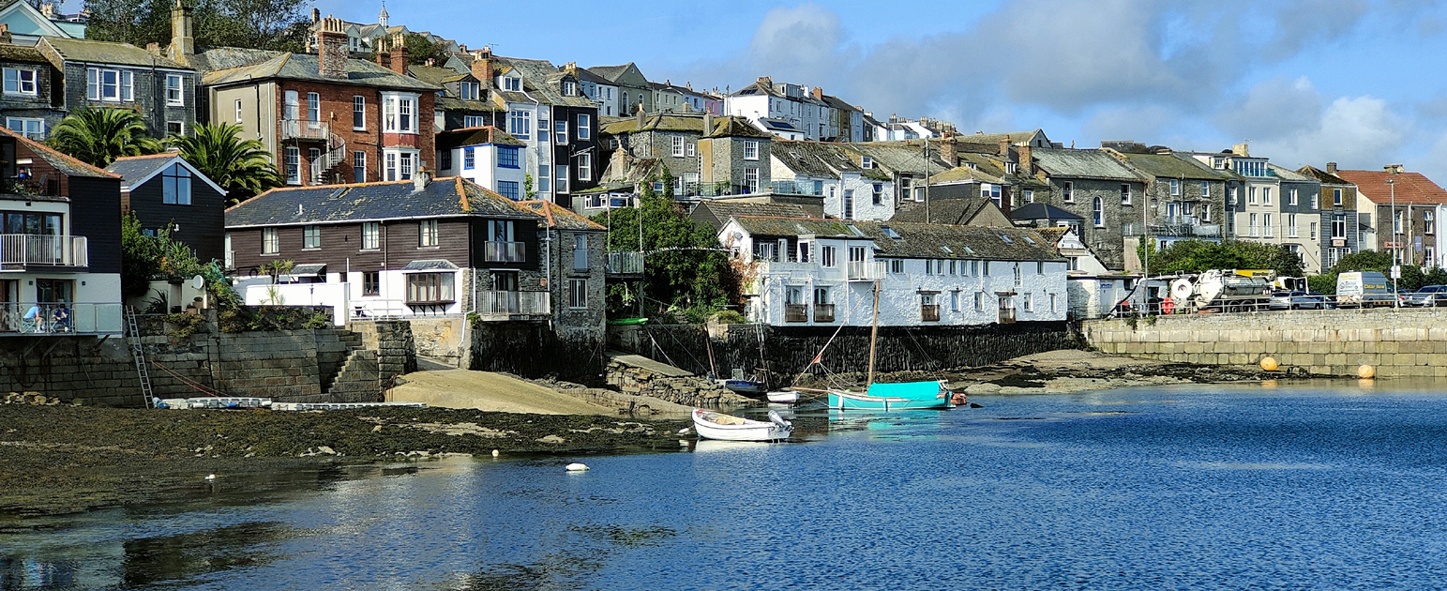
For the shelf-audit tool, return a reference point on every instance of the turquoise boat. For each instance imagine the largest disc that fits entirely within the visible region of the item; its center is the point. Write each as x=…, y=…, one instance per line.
x=901, y=396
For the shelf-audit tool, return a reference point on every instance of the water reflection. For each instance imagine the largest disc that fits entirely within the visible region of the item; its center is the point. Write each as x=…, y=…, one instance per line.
x=181, y=557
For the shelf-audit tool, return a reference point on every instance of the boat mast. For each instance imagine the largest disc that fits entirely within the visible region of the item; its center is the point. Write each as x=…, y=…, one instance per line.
x=873, y=334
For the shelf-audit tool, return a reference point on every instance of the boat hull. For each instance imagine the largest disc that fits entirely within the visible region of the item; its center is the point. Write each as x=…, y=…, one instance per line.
x=713, y=425
x=905, y=396
x=784, y=397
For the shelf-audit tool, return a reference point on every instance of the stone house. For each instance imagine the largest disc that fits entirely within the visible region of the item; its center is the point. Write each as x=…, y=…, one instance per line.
x=634, y=89
x=813, y=272
x=734, y=157
x=101, y=74
x=669, y=139
x=1187, y=200
x=164, y=190
x=327, y=118
x=30, y=99
x=1410, y=228
x=1336, y=205
x=424, y=247
x=60, y=242
x=827, y=172
x=1094, y=185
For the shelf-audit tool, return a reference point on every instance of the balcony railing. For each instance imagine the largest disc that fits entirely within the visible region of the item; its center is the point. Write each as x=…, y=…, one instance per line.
x=301, y=129
x=815, y=188
x=59, y=318
x=523, y=303
x=796, y=313
x=1200, y=230
x=505, y=252
x=865, y=271
x=823, y=312
x=625, y=263
x=929, y=312
x=19, y=251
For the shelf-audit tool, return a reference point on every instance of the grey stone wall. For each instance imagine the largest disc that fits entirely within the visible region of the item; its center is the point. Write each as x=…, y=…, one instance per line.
x=686, y=390
x=1105, y=240
x=1396, y=343
x=150, y=96
x=394, y=343
x=532, y=349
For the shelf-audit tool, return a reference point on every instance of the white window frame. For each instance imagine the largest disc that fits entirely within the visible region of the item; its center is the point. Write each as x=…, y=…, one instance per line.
x=585, y=167
x=238, y=110
x=19, y=82
x=1067, y=192
x=291, y=165
x=359, y=107
x=311, y=237
x=585, y=126
x=472, y=121
x=751, y=149
x=25, y=124
x=123, y=85
x=371, y=235
x=1125, y=194
x=577, y=294
x=175, y=90
x=428, y=234
x=677, y=145
x=560, y=133
x=270, y=241
x=400, y=112
x=520, y=123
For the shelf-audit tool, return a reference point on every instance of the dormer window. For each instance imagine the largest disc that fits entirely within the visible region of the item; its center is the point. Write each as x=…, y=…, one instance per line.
x=513, y=84
x=867, y=163
x=470, y=91
x=570, y=88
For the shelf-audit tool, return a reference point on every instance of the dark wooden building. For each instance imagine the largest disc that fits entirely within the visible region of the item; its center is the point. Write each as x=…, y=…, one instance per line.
x=165, y=191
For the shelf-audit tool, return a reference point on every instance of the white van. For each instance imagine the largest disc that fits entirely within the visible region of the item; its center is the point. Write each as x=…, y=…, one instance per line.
x=1362, y=289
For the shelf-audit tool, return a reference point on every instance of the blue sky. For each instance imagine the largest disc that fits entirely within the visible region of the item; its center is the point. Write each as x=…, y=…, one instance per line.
x=1359, y=82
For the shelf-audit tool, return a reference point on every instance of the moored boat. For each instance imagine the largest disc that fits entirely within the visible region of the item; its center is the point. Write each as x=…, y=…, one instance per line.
x=716, y=425
x=783, y=396
x=901, y=396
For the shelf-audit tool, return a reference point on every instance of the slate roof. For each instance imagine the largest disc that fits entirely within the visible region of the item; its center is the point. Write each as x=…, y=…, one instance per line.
x=448, y=103
x=901, y=157
x=20, y=53
x=919, y=241
x=1082, y=164
x=1042, y=211
x=730, y=126
x=813, y=159
x=444, y=197
x=612, y=73
x=229, y=65
x=716, y=214
x=1287, y=174
x=1322, y=176
x=476, y=136
x=438, y=75
x=1173, y=166
x=556, y=216
x=656, y=122
x=588, y=75
x=773, y=124
x=958, y=212
x=106, y=52
x=137, y=170
x=965, y=173
x=1411, y=187
x=1016, y=138
x=542, y=80
x=61, y=162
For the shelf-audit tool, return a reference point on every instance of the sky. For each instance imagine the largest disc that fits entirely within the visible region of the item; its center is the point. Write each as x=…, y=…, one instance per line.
x=1359, y=82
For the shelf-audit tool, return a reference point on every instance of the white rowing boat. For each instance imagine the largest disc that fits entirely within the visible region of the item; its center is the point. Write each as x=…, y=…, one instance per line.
x=716, y=425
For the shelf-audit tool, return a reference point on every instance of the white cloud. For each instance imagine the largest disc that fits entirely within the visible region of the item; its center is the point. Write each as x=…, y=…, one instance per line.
x=1356, y=132
x=1273, y=109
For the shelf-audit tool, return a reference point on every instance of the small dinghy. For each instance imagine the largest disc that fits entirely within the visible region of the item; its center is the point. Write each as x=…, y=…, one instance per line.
x=784, y=396
x=716, y=425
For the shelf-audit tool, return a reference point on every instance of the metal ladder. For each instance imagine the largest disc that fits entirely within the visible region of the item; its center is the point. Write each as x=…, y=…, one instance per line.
x=139, y=353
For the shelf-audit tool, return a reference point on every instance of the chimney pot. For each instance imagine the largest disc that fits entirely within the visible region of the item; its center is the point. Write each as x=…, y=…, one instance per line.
x=5, y=33
x=183, y=40
x=420, y=179
x=398, y=55
x=1331, y=168
x=332, y=48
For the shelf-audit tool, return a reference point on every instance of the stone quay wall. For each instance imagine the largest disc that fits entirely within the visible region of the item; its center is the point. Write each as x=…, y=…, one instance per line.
x=685, y=390
x=1396, y=343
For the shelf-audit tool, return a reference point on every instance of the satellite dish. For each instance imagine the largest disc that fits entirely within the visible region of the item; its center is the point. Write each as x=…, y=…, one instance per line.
x=198, y=282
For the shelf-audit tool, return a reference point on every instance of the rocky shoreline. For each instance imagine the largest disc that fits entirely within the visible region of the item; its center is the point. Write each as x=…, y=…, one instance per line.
x=63, y=458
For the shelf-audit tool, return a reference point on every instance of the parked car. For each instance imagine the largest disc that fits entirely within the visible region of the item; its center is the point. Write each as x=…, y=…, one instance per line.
x=1430, y=295
x=1297, y=300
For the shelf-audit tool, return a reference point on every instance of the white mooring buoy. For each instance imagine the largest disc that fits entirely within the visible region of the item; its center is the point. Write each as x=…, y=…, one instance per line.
x=577, y=467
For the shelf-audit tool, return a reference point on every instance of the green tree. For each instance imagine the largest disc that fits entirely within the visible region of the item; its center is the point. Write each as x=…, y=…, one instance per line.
x=258, y=24
x=1195, y=256
x=241, y=166
x=421, y=48
x=147, y=256
x=99, y=136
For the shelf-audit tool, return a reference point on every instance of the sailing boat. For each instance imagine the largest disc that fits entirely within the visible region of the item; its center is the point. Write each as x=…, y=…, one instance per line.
x=892, y=396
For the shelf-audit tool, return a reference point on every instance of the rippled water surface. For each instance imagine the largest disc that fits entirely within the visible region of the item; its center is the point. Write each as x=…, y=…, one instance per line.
x=1200, y=487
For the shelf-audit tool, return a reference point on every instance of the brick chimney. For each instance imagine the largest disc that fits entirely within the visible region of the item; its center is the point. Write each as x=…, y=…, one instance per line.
x=949, y=150
x=1005, y=147
x=183, y=41
x=1394, y=168
x=818, y=93
x=1331, y=168
x=332, y=48
x=398, y=55
x=1026, y=167
x=482, y=66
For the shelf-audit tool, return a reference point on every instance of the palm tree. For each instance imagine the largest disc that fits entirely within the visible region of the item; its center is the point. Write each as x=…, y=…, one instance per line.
x=243, y=167
x=99, y=136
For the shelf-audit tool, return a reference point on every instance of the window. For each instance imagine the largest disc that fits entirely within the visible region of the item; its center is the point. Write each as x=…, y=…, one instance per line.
x=399, y=113
x=1315, y=201
x=561, y=129
x=1292, y=198
x=1018, y=278
x=1338, y=227
x=238, y=110
x=1029, y=195
x=429, y=288
x=1251, y=195
x=291, y=107
x=1205, y=189
x=1255, y=231
x=176, y=128
x=175, y=95
x=585, y=126
x=31, y=127
x=507, y=157
x=544, y=128
x=585, y=166
x=979, y=301
x=472, y=121
x=577, y=294
x=751, y=150
x=866, y=162
x=371, y=283
x=469, y=158
x=311, y=237
x=359, y=112
x=580, y=253
x=677, y=147
x=896, y=266
x=692, y=149
x=270, y=241
x=1098, y=212
x=508, y=189
x=1029, y=302
x=470, y=91
x=1266, y=195
x=109, y=85
x=1268, y=229
x=1067, y=192
x=1312, y=229
x=879, y=193
x=1124, y=194
x=751, y=180
x=1175, y=187
x=1336, y=197
x=398, y=164
x=829, y=256
x=1291, y=225
x=513, y=84
x=371, y=235
x=359, y=166
x=848, y=211
x=427, y=233
x=1206, y=212
x=992, y=192
x=20, y=81
x=560, y=177
x=520, y=124
x=1427, y=224
x=1231, y=196
x=291, y=161
x=176, y=185
x=1397, y=222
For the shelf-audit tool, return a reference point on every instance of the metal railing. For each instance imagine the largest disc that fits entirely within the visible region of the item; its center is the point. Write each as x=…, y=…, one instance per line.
x=505, y=252
x=302, y=129
x=20, y=250
x=796, y=313
x=59, y=318
x=1168, y=229
x=823, y=312
x=865, y=271
x=929, y=312
x=530, y=303
x=815, y=188
x=625, y=263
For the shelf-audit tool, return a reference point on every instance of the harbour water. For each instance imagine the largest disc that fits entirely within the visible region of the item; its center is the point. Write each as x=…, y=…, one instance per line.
x=1325, y=486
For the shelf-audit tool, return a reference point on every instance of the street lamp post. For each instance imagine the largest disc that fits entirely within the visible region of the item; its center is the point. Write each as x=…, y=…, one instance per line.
x=1396, y=247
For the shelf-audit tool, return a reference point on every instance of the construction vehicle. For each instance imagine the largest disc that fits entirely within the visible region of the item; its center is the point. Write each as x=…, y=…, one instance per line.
x=1223, y=290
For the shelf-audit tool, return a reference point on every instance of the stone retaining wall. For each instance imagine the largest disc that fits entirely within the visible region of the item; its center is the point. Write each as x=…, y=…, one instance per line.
x=686, y=390
x=1397, y=343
